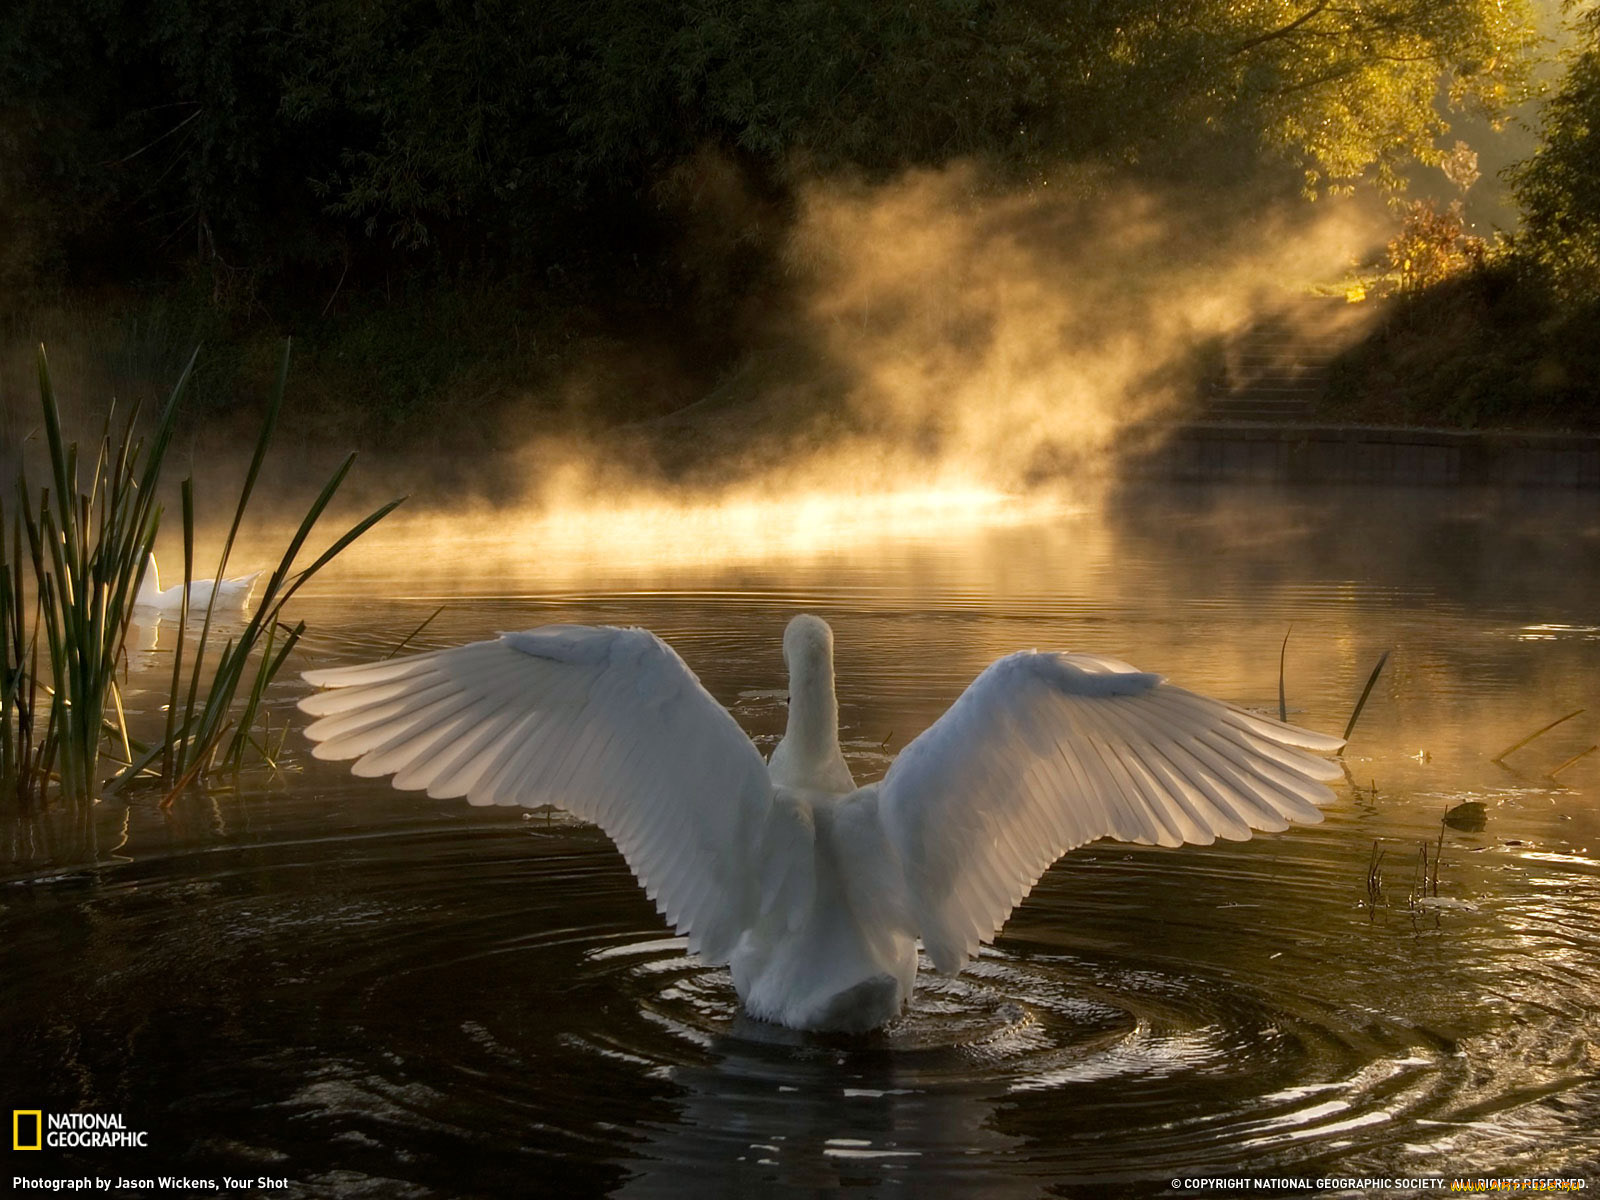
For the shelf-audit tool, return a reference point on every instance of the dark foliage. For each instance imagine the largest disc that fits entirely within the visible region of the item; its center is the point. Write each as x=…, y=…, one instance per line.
x=262, y=138
x=1490, y=347
x=1559, y=187
x=1514, y=341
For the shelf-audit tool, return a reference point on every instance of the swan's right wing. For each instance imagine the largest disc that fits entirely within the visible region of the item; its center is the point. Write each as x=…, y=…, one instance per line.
x=609, y=724
x=1044, y=752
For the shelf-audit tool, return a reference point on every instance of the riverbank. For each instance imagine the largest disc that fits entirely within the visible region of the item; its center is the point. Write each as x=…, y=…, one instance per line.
x=1257, y=452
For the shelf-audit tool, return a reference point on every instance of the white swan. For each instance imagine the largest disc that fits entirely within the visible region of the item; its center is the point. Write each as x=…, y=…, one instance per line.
x=812, y=890
x=232, y=594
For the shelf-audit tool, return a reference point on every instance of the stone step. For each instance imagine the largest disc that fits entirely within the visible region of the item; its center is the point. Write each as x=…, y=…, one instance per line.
x=1277, y=368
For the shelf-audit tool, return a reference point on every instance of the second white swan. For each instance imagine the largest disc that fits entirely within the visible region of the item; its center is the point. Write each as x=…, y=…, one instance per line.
x=232, y=594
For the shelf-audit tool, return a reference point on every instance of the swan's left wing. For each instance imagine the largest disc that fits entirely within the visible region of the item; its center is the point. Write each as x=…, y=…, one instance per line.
x=609, y=724
x=1044, y=752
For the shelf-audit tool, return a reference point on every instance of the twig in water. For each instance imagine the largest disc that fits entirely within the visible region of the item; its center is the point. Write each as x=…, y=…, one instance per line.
x=1365, y=692
x=1375, y=876
x=1438, y=855
x=405, y=641
x=1573, y=759
x=1419, y=883
x=1515, y=746
x=201, y=756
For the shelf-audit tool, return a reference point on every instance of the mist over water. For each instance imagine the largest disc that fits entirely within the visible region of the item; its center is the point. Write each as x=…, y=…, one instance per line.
x=934, y=340
x=958, y=336
x=933, y=334
x=1012, y=335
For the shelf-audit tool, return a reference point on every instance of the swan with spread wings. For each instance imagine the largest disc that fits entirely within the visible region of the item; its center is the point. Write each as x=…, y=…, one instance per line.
x=813, y=891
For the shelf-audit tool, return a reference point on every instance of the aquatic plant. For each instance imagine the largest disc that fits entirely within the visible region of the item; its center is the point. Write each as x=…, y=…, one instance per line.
x=1283, y=654
x=192, y=745
x=1365, y=693
x=88, y=551
x=24, y=762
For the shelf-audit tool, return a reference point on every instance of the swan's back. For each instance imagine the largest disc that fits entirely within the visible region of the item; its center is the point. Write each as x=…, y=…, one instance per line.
x=836, y=948
x=230, y=595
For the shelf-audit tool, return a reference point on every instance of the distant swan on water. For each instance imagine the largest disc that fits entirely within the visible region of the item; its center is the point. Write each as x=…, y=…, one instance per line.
x=812, y=890
x=232, y=594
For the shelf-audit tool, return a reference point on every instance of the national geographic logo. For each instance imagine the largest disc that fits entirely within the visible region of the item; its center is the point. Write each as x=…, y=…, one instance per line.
x=27, y=1129
x=34, y=1129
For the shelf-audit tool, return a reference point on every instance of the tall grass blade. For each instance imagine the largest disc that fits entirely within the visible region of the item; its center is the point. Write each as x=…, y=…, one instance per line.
x=198, y=736
x=1365, y=692
x=406, y=641
x=1283, y=652
x=169, y=746
x=267, y=670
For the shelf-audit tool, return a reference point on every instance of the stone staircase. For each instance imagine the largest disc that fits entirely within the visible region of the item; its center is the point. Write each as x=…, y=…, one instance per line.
x=1276, y=368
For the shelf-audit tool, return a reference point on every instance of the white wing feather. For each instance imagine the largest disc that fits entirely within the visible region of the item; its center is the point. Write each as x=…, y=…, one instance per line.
x=1044, y=752
x=609, y=724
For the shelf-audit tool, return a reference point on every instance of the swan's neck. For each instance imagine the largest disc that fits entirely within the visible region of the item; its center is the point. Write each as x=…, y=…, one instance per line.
x=813, y=712
x=809, y=756
x=150, y=584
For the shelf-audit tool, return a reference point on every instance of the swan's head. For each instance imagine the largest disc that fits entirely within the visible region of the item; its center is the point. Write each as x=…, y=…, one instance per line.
x=808, y=647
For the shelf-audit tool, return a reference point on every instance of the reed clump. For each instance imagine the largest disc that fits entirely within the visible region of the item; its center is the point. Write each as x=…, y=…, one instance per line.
x=70, y=570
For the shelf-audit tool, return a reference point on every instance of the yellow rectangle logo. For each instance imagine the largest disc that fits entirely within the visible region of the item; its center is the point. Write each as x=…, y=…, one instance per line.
x=27, y=1128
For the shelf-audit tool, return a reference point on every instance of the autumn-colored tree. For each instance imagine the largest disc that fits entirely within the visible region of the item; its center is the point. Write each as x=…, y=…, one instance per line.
x=1433, y=244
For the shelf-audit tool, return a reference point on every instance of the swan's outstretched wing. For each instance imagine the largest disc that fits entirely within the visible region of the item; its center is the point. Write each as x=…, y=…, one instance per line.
x=607, y=723
x=1044, y=752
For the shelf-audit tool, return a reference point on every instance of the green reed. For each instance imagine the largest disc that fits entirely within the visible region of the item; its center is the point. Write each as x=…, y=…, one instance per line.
x=25, y=760
x=1365, y=693
x=88, y=550
x=201, y=740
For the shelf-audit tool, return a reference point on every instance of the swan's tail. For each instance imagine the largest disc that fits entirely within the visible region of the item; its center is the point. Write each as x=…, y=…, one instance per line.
x=863, y=1006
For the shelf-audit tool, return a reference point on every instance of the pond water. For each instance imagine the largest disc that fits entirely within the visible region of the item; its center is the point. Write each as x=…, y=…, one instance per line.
x=304, y=976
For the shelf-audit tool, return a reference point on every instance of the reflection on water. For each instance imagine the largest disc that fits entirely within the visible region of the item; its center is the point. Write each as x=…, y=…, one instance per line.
x=373, y=993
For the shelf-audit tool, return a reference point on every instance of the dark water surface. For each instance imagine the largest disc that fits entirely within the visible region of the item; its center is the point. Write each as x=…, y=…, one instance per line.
x=371, y=993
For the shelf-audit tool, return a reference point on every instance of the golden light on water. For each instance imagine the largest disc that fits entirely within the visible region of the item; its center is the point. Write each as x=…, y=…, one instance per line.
x=641, y=536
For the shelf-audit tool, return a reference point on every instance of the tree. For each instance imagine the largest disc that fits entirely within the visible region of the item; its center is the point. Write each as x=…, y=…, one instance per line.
x=261, y=132
x=1559, y=187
